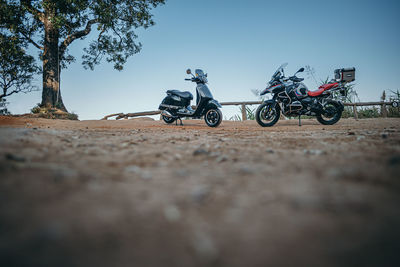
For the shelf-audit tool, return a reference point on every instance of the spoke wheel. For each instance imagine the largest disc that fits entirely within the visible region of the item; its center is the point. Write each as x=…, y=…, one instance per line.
x=331, y=114
x=266, y=116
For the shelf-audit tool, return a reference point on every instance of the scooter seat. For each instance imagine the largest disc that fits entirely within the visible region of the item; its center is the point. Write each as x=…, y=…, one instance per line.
x=184, y=94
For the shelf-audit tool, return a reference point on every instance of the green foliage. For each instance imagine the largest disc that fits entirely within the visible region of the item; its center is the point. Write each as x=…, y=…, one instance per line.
x=72, y=116
x=36, y=109
x=373, y=112
x=17, y=69
x=115, y=22
x=52, y=113
x=394, y=111
x=3, y=107
x=235, y=117
x=250, y=114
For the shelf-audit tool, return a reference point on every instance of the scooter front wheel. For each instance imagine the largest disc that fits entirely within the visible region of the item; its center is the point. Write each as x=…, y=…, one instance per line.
x=213, y=117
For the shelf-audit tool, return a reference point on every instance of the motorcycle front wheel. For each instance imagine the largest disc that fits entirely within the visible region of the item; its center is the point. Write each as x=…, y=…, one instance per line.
x=266, y=116
x=213, y=117
x=332, y=112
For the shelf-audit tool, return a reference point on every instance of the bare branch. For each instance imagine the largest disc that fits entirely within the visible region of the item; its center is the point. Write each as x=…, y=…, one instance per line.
x=79, y=34
x=32, y=41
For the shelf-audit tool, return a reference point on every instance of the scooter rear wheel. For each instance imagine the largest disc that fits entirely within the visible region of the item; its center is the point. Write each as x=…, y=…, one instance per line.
x=168, y=119
x=213, y=117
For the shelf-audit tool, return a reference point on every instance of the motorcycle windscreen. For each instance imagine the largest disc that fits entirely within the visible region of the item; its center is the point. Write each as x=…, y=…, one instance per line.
x=204, y=92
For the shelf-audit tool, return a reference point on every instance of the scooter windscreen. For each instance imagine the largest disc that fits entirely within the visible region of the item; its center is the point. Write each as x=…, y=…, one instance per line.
x=201, y=76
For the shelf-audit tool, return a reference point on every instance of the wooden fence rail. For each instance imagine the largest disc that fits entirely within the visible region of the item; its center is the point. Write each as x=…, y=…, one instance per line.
x=243, y=105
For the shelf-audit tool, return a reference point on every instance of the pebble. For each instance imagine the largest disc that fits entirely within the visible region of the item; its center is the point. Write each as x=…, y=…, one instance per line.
x=351, y=133
x=394, y=160
x=16, y=158
x=271, y=151
x=138, y=171
x=361, y=137
x=384, y=135
x=172, y=213
x=245, y=170
x=200, y=151
x=204, y=246
x=222, y=158
x=200, y=193
x=313, y=152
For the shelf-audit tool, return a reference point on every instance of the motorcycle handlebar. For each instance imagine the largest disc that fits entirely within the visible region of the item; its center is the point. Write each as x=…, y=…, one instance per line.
x=188, y=79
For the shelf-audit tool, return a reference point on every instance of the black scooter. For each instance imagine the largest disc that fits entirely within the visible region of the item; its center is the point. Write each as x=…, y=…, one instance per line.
x=176, y=104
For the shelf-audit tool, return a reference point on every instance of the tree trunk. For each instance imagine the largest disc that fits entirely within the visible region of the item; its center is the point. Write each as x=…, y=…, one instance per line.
x=51, y=95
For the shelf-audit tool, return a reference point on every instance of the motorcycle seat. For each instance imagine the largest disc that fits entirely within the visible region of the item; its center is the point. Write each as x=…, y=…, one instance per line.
x=184, y=94
x=321, y=89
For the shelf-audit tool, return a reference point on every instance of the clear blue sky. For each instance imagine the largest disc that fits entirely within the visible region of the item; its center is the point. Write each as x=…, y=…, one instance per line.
x=239, y=44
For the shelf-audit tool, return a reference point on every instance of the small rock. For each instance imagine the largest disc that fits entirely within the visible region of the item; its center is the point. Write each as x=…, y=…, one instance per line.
x=215, y=154
x=361, y=137
x=313, y=152
x=34, y=128
x=245, y=170
x=384, y=135
x=172, y=213
x=13, y=157
x=222, y=158
x=271, y=151
x=205, y=246
x=200, y=193
x=200, y=151
x=182, y=173
x=29, y=124
x=394, y=160
x=177, y=156
x=138, y=171
x=351, y=133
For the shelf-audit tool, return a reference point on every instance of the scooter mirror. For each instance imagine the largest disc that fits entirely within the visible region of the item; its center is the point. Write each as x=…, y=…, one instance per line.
x=301, y=70
x=206, y=75
x=188, y=71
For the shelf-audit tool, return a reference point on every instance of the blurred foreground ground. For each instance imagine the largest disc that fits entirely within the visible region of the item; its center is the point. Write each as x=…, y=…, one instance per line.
x=142, y=193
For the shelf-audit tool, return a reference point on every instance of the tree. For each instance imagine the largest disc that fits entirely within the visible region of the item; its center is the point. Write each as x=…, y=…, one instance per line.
x=52, y=26
x=17, y=69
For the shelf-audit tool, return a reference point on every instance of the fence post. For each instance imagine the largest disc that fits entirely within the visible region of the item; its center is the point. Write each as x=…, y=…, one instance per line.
x=355, y=111
x=244, y=114
x=384, y=110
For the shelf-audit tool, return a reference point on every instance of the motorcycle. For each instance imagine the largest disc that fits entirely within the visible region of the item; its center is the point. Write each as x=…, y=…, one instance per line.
x=291, y=97
x=176, y=104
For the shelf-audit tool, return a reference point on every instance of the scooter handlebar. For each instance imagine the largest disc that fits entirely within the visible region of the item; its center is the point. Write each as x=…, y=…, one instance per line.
x=188, y=79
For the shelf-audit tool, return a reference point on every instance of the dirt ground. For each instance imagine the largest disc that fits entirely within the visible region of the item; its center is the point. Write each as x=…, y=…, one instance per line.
x=142, y=193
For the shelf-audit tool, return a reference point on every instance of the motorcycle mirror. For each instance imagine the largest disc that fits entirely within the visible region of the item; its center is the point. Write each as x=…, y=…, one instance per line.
x=301, y=70
x=188, y=71
x=206, y=75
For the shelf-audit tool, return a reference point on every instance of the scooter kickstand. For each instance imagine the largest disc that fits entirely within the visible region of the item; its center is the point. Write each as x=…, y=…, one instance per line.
x=299, y=120
x=181, y=122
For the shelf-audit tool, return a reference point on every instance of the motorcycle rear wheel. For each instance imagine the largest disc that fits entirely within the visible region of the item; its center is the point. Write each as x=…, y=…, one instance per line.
x=267, y=116
x=333, y=113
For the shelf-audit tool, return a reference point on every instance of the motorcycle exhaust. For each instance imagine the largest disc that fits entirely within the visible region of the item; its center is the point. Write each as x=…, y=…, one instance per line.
x=166, y=114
